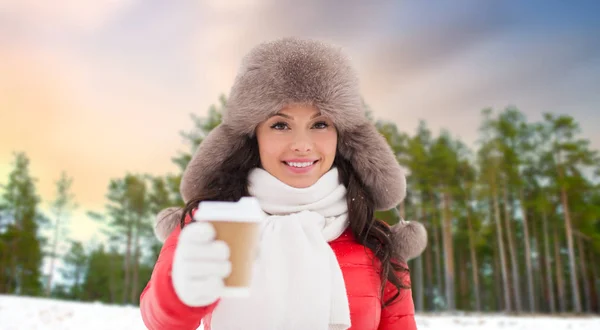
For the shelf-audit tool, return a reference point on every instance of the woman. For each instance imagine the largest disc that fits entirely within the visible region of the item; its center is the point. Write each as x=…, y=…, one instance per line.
x=295, y=136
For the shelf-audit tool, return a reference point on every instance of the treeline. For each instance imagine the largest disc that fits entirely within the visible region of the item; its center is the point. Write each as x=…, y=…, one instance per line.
x=514, y=225
x=513, y=222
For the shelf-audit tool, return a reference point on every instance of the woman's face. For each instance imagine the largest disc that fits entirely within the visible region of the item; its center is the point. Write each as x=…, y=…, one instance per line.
x=297, y=145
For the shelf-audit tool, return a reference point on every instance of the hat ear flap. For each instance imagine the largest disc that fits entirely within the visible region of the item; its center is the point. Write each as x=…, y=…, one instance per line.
x=374, y=161
x=212, y=153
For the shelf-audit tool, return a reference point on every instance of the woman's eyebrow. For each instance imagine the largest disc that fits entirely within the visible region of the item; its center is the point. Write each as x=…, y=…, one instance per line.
x=281, y=115
x=318, y=114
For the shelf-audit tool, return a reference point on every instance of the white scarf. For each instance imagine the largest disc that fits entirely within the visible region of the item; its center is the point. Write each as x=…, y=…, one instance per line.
x=297, y=283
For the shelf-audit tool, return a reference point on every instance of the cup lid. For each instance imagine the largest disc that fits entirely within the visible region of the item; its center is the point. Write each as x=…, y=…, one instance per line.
x=247, y=209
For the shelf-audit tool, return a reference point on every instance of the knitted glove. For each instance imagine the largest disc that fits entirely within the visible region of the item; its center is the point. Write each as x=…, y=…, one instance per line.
x=200, y=263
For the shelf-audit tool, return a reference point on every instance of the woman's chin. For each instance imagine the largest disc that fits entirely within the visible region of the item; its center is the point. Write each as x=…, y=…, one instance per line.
x=299, y=177
x=300, y=180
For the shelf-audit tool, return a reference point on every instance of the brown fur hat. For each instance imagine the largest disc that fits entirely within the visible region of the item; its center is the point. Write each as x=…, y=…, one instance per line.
x=290, y=70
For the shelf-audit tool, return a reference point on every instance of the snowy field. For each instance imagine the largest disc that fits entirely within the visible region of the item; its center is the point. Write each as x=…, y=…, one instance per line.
x=18, y=313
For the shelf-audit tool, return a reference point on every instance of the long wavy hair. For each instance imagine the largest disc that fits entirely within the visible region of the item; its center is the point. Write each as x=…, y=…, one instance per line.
x=230, y=183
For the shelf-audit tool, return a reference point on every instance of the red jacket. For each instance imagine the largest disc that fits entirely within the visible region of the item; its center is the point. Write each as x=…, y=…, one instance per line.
x=162, y=310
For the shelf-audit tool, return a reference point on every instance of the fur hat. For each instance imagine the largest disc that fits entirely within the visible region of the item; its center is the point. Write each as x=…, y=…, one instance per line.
x=290, y=70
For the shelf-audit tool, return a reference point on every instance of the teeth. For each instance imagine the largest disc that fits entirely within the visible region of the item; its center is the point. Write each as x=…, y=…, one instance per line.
x=306, y=164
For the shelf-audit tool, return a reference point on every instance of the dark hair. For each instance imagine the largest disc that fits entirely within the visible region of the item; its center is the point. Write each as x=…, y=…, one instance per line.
x=230, y=182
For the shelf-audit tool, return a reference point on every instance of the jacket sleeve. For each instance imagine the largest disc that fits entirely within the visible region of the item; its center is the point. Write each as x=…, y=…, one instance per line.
x=160, y=307
x=400, y=314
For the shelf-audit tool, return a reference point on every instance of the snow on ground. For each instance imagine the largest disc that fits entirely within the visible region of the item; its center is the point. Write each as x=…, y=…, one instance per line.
x=23, y=313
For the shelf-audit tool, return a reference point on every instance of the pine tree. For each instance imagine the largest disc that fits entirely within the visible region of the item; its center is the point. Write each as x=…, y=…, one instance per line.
x=489, y=164
x=130, y=225
x=569, y=156
x=202, y=127
x=444, y=153
x=103, y=279
x=21, y=250
x=75, y=263
x=61, y=207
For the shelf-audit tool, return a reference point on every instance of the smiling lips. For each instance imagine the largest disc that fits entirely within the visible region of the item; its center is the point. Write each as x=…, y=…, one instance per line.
x=300, y=166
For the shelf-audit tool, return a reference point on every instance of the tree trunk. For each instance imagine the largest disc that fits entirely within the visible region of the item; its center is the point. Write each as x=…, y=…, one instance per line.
x=449, y=254
x=136, y=265
x=428, y=260
x=474, y=265
x=438, y=260
x=541, y=285
x=498, y=286
x=402, y=210
x=419, y=287
x=595, y=289
x=571, y=249
x=53, y=256
x=113, y=272
x=584, y=276
x=550, y=288
x=504, y=272
x=530, y=289
x=430, y=292
x=560, y=282
x=78, y=272
x=418, y=278
x=538, y=275
x=464, y=298
x=3, y=265
x=15, y=279
x=127, y=261
x=514, y=264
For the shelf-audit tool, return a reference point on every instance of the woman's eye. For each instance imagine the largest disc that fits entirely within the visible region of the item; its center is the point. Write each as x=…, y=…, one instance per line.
x=321, y=125
x=279, y=126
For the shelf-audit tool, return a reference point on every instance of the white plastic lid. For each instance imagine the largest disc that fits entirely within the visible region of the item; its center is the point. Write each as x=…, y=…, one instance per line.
x=247, y=209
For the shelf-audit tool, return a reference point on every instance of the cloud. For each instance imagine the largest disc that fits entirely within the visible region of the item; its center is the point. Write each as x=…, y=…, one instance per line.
x=413, y=59
x=63, y=14
x=389, y=42
x=226, y=32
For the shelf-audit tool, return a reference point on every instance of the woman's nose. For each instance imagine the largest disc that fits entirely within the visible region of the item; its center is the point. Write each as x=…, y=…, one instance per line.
x=302, y=143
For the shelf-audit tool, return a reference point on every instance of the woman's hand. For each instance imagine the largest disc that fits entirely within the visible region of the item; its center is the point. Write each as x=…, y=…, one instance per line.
x=200, y=264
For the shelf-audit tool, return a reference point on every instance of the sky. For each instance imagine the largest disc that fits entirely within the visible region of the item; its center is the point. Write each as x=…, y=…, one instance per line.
x=99, y=88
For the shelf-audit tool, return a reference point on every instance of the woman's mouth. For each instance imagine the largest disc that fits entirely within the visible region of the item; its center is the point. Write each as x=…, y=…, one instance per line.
x=300, y=166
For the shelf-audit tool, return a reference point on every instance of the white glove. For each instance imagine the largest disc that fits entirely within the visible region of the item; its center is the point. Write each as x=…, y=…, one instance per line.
x=200, y=263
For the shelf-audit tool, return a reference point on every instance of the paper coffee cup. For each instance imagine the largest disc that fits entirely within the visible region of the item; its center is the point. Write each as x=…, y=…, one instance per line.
x=238, y=225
